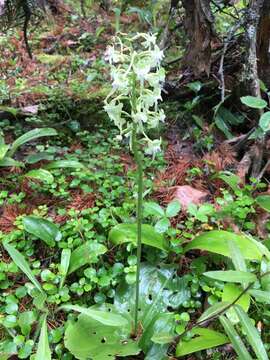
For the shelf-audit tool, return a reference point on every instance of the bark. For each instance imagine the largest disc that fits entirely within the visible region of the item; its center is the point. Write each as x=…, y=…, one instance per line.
x=251, y=69
x=198, y=23
x=263, y=44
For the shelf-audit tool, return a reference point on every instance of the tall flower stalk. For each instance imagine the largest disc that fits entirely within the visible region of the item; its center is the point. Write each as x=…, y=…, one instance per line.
x=132, y=105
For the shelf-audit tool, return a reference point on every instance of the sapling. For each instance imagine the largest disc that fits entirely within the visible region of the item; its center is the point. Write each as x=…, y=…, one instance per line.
x=132, y=104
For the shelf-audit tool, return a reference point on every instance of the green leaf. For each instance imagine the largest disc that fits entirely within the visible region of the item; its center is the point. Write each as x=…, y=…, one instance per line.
x=42, y=229
x=264, y=121
x=205, y=339
x=231, y=276
x=216, y=241
x=22, y=264
x=252, y=334
x=173, y=208
x=230, y=293
x=264, y=202
x=62, y=164
x=104, y=317
x=236, y=341
x=152, y=208
x=230, y=179
x=29, y=136
x=123, y=233
x=3, y=150
x=43, y=349
x=253, y=102
x=260, y=295
x=65, y=261
x=85, y=254
x=237, y=257
x=162, y=225
x=107, y=342
x=34, y=158
x=9, y=162
x=25, y=320
x=41, y=174
x=213, y=310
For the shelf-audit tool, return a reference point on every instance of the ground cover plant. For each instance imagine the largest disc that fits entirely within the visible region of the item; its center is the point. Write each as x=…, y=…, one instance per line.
x=134, y=185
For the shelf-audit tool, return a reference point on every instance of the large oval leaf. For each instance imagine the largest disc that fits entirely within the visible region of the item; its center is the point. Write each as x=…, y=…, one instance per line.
x=62, y=164
x=22, y=264
x=43, y=229
x=43, y=349
x=41, y=174
x=104, y=317
x=264, y=202
x=231, y=276
x=123, y=233
x=29, y=136
x=253, y=102
x=89, y=339
x=217, y=241
x=231, y=292
x=85, y=254
x=204, y=339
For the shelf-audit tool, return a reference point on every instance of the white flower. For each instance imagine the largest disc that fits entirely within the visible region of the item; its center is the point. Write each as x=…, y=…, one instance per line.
x=140, y=117
x=112, y=55
x=157, y=55
x=150, y=39
x=161, y=115
x=150, y=98
x=120, y=80
x=142, y=68
x=114, y=112
x=153, y=147
x=156, y=78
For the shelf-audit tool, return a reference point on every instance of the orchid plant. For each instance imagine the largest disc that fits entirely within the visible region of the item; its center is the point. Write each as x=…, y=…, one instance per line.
x=132, y=104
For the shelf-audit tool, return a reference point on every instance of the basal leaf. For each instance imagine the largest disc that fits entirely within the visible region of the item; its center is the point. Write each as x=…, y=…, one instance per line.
x=104, y=317
x=231, y=276
x=41, y=174
x=236, y=341
x=253, y=102
x=216, y=241
x=42, y=229
x=264, y=202
x=204, y=339
x=123, y=233
x=22, y=264
x=43, y=349
x=86, y=253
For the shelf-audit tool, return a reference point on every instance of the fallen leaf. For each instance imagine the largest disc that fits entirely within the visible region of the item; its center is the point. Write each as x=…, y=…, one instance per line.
x=186, y=195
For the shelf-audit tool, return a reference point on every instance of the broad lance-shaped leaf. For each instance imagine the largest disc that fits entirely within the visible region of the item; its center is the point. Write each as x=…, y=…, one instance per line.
x=213, y=310
x=41, y=174
x=22, y=264
x=42, y=229
x=253, y=102
x=264, y=202
x=86, y=253
x=29, y=136
x=205, y=339
x=238, y=345
x=230, y=293
x=9, y=162
x=62, y=164
x=260, y=296
x=90, y=339
x=231, y=276
x=105, y=318
x=252, y=334
x=43, y=349
x=123, y=233
x=65, y=261
x=216, y=241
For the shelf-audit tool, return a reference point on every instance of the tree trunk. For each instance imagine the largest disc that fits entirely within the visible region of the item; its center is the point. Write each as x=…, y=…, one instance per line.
x=251, y=69
x=263, y=44
x=198, y=23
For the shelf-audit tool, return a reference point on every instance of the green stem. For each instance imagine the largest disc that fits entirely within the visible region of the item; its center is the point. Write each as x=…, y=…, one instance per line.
x=138, y=159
